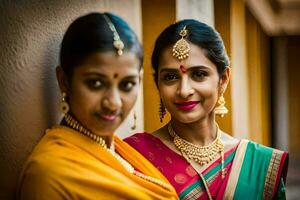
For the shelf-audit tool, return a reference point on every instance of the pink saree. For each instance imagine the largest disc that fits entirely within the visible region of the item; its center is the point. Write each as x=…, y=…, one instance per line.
x=179, y=172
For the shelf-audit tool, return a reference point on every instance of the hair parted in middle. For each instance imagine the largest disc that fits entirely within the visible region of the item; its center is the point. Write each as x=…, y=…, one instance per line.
x=92, y=34
x=200, y=34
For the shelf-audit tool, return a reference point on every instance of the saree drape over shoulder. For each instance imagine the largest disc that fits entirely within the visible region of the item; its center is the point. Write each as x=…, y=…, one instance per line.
x=253, y=171
x=69, y=165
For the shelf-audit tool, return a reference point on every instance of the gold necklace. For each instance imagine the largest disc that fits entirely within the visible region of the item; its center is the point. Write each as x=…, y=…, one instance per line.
x=194, y=152
x=74, y=124
x=201, y=154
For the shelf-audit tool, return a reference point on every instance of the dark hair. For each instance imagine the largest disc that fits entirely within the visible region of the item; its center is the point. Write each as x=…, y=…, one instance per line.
x=199, y=34
x=90, y=34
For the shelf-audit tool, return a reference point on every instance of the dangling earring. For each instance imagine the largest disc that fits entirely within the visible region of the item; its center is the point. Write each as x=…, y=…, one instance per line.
x=221, y=110
x=134, y=121
x=64, y=106
x=162, y=111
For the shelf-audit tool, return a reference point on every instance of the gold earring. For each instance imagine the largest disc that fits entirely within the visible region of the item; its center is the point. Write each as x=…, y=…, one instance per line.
x=134, y=121
x=221, y=110
x=162, y=111
x=64, y=106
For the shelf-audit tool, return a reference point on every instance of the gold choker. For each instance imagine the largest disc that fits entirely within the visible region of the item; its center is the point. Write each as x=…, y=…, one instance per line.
x=201, y=154
x=74, y=124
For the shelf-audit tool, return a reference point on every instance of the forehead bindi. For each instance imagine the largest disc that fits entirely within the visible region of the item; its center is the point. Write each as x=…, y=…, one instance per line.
x=116, y=75
x=182, y=69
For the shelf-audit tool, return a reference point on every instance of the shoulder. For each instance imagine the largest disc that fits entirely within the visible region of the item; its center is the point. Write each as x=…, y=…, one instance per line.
x=50, y=158
x=51, y=161
x=139, y=138
x=262, y=149
x=145, y=143
x=41, y=176
x=229, y=141
x=273, y=160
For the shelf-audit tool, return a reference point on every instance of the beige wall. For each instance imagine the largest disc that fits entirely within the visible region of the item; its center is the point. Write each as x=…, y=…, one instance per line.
x=31, y=32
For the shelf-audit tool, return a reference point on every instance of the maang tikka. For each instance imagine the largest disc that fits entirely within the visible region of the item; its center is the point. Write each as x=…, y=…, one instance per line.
x=181, y=48
x=118, y=43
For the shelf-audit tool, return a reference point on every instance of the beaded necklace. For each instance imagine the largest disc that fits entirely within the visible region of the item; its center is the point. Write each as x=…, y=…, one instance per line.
x=74, y=124
x=200, y=154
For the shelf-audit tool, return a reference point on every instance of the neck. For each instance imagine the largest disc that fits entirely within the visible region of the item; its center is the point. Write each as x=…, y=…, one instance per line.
x=108, y=140
x=70, y=121
x=200, y=133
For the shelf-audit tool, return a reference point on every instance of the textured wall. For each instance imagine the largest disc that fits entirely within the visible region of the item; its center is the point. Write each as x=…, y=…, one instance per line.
x=31, y=32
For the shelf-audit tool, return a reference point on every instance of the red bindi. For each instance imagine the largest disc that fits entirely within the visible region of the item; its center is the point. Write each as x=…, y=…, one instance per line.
x=182, y=69
x=116, y=75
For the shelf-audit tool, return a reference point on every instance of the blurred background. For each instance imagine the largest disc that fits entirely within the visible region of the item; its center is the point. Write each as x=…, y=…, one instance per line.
x=262, y=38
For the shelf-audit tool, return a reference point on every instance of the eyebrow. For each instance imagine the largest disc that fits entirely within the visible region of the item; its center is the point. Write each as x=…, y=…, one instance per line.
x=104, y=76
x=188, y=69
x=94, y=74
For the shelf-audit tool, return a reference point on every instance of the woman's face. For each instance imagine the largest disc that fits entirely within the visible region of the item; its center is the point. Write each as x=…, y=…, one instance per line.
x=189, y=89
x=103, y=90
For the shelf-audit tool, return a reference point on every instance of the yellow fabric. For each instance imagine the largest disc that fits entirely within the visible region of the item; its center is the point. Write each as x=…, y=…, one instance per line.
x=68, y=165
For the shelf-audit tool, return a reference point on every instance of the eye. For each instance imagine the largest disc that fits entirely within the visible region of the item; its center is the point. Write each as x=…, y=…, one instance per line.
x=198, y=74
x=94, y=84
x=170, y=77
x=127, y=85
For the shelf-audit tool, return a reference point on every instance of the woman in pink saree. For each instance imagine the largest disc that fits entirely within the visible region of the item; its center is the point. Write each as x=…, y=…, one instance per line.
x=191, y=71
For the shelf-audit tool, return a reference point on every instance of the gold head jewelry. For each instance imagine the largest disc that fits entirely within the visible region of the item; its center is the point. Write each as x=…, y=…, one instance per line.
x=181, y=48
x=221, y=110
x=200, y=154
x=74, y=124
x=118, y=43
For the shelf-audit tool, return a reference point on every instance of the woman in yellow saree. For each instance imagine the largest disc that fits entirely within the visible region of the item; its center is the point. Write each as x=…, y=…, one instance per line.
x=191, y=71
x=99, y=77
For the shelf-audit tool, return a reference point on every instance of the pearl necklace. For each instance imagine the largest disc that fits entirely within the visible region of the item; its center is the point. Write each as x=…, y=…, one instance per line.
x=73, y=123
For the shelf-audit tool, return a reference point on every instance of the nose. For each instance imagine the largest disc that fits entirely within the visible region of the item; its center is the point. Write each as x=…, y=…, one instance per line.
x=185, y=89
x=112, y=99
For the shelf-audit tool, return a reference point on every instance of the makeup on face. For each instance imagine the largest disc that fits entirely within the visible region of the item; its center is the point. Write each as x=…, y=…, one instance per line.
x=182, y=69
x=102, y=92
x=186, y=105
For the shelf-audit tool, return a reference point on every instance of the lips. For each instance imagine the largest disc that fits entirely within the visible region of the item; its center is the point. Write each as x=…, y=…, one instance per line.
x=108, y=116
x=186, y=105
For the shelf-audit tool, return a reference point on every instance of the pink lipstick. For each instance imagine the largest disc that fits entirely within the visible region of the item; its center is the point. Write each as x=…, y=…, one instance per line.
x=108, y=117
x=186, y=105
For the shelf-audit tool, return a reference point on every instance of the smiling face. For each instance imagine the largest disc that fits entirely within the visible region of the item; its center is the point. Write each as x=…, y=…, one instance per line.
x=103, y=90
x=189, y=89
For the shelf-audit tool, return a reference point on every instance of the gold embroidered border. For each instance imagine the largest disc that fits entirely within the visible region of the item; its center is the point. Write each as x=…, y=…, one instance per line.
x=194, y=194
x=272, y=174
x=212, y=178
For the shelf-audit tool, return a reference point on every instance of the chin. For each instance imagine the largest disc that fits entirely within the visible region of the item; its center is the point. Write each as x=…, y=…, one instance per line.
x=106, y=130
x=186, y=119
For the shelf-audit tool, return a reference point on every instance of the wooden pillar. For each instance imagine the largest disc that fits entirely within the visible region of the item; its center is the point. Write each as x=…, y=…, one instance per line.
x=156, y=16
x=239, y=86
x=222, y=24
